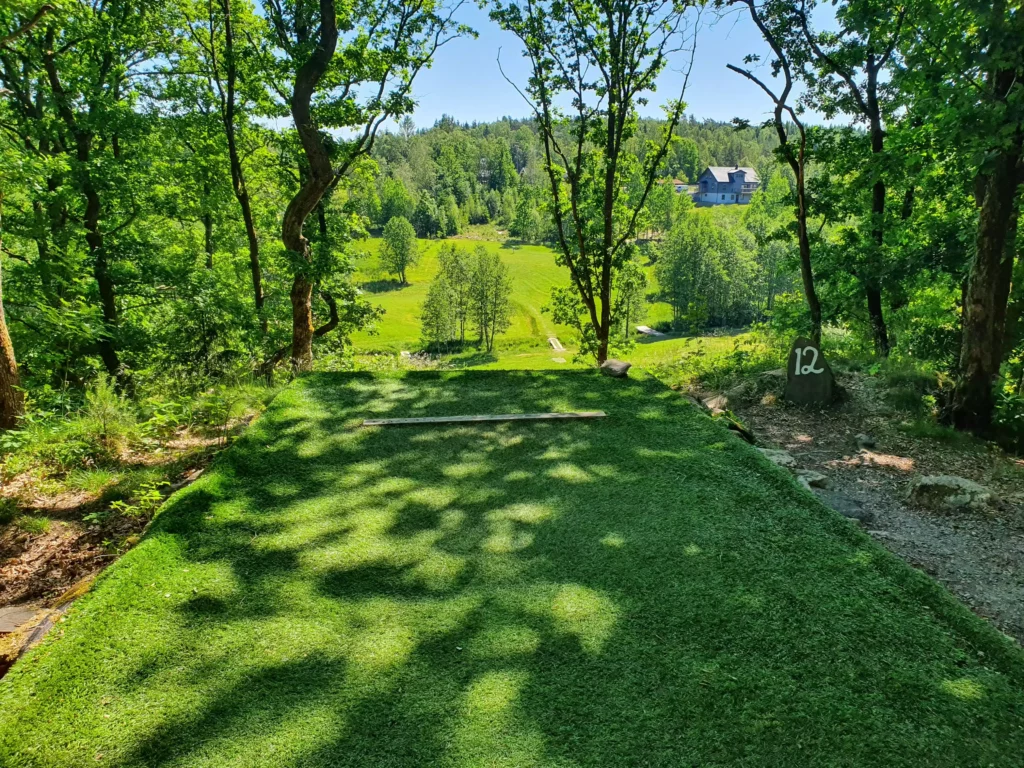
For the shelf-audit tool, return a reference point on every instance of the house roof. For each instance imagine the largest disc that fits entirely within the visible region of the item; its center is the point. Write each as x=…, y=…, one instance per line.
x=721, y=172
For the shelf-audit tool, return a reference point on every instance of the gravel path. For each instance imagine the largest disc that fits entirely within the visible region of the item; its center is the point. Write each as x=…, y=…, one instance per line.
x=978, y=556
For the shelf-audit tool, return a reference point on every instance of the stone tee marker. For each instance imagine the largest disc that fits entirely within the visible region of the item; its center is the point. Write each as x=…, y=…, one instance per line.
x=809, y=380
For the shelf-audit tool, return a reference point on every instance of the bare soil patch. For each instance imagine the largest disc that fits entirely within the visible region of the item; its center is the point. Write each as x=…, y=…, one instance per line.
x=37, y=568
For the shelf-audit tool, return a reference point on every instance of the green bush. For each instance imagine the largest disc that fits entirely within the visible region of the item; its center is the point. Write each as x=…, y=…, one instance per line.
x=108, y=421
x=910, y=385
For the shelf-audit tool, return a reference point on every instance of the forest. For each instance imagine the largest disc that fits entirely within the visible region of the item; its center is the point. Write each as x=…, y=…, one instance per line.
x=187, y=189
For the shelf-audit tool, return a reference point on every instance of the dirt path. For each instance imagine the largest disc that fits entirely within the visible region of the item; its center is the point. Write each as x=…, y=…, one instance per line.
x=979, y=556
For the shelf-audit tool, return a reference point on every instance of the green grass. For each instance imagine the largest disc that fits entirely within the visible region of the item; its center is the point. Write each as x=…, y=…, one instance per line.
x=533, y=271
x=644, y=590
x=659, y=350
x=32, y=524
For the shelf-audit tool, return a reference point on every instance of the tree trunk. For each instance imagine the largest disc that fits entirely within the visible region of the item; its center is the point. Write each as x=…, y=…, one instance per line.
x=806, y=273
x=208, y=238
x=302, y=324
x=879, y=331
x=988, y=286
x=321, y=176
x=101, y=273
x=91, y=220
x=237, y=172
x=12, y=401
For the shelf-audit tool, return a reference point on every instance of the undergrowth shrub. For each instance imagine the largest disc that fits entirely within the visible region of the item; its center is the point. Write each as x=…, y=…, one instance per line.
x=910, y=385
x=698, y=366
x=30, y=524
x=106, y=426
x=8, y=510
x=107, y=422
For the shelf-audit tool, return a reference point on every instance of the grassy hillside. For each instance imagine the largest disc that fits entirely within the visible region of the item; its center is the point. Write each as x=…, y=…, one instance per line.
x=533, y=270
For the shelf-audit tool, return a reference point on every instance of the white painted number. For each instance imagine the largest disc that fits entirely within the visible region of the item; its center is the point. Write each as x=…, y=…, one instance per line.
x=809, y=368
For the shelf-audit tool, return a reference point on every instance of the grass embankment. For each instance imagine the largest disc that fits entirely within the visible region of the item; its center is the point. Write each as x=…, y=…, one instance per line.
x=639, y=590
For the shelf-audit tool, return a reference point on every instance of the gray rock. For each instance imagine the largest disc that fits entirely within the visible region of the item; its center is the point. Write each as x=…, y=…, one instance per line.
x=741, y=392
x=809, y=379
x=717, y=404
x=617, y=369
x=844, y=505
x=948, y=492
x=13, y=617
x=810, y=479
x=864, y=441
x=774, y=378
x=780, y=458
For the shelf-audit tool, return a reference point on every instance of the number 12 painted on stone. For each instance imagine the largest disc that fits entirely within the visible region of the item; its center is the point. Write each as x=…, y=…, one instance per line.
x=809, y=368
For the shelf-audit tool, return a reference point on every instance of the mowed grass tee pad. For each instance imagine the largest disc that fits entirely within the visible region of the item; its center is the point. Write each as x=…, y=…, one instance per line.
x=638, y=590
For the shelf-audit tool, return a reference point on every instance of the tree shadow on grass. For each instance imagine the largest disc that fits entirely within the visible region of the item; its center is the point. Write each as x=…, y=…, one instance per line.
x=640, y=590
x=383, y=286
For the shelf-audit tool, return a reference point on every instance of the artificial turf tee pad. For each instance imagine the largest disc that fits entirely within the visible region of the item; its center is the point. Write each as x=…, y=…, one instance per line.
x=639, y=590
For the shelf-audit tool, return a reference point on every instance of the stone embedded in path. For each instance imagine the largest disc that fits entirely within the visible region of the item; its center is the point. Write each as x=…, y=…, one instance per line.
x=717, y=404
x=844, y=505
x=864, y=442
x=948, y=492
x=809, y=479
x=617, y=369
x=781, y=458
x=13, y=617
x=809, y=380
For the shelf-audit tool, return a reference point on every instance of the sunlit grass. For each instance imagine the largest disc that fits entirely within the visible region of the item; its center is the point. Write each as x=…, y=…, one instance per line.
x=642, y=590
x=532, y=269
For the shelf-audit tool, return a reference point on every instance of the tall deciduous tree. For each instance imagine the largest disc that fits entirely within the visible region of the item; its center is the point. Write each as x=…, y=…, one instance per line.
x=457, y=271
x=224, y=49
x=847, y=72
x=965, y=76
x=490, y=295
x=12, y=400
x=399, y=249
x=438, y=323
x=383, y=46
x=773, y=19
x=630, y=296
x=73, y=79
x=603, y=57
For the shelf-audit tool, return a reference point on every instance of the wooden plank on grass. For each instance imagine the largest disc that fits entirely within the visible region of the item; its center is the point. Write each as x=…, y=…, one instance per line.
x=484, y=418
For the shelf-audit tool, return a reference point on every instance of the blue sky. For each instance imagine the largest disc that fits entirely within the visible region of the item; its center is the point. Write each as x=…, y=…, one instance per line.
x=465, y=81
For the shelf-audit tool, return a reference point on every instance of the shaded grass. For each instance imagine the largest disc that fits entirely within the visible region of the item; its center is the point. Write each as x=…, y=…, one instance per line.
x=643, y=590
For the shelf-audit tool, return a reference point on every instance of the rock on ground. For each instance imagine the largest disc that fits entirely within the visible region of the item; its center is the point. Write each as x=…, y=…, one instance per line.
x=781, y=458
x=809, y=478
x=948, y=492
x=617, y=369
x=864, y=441
x=844, y=505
